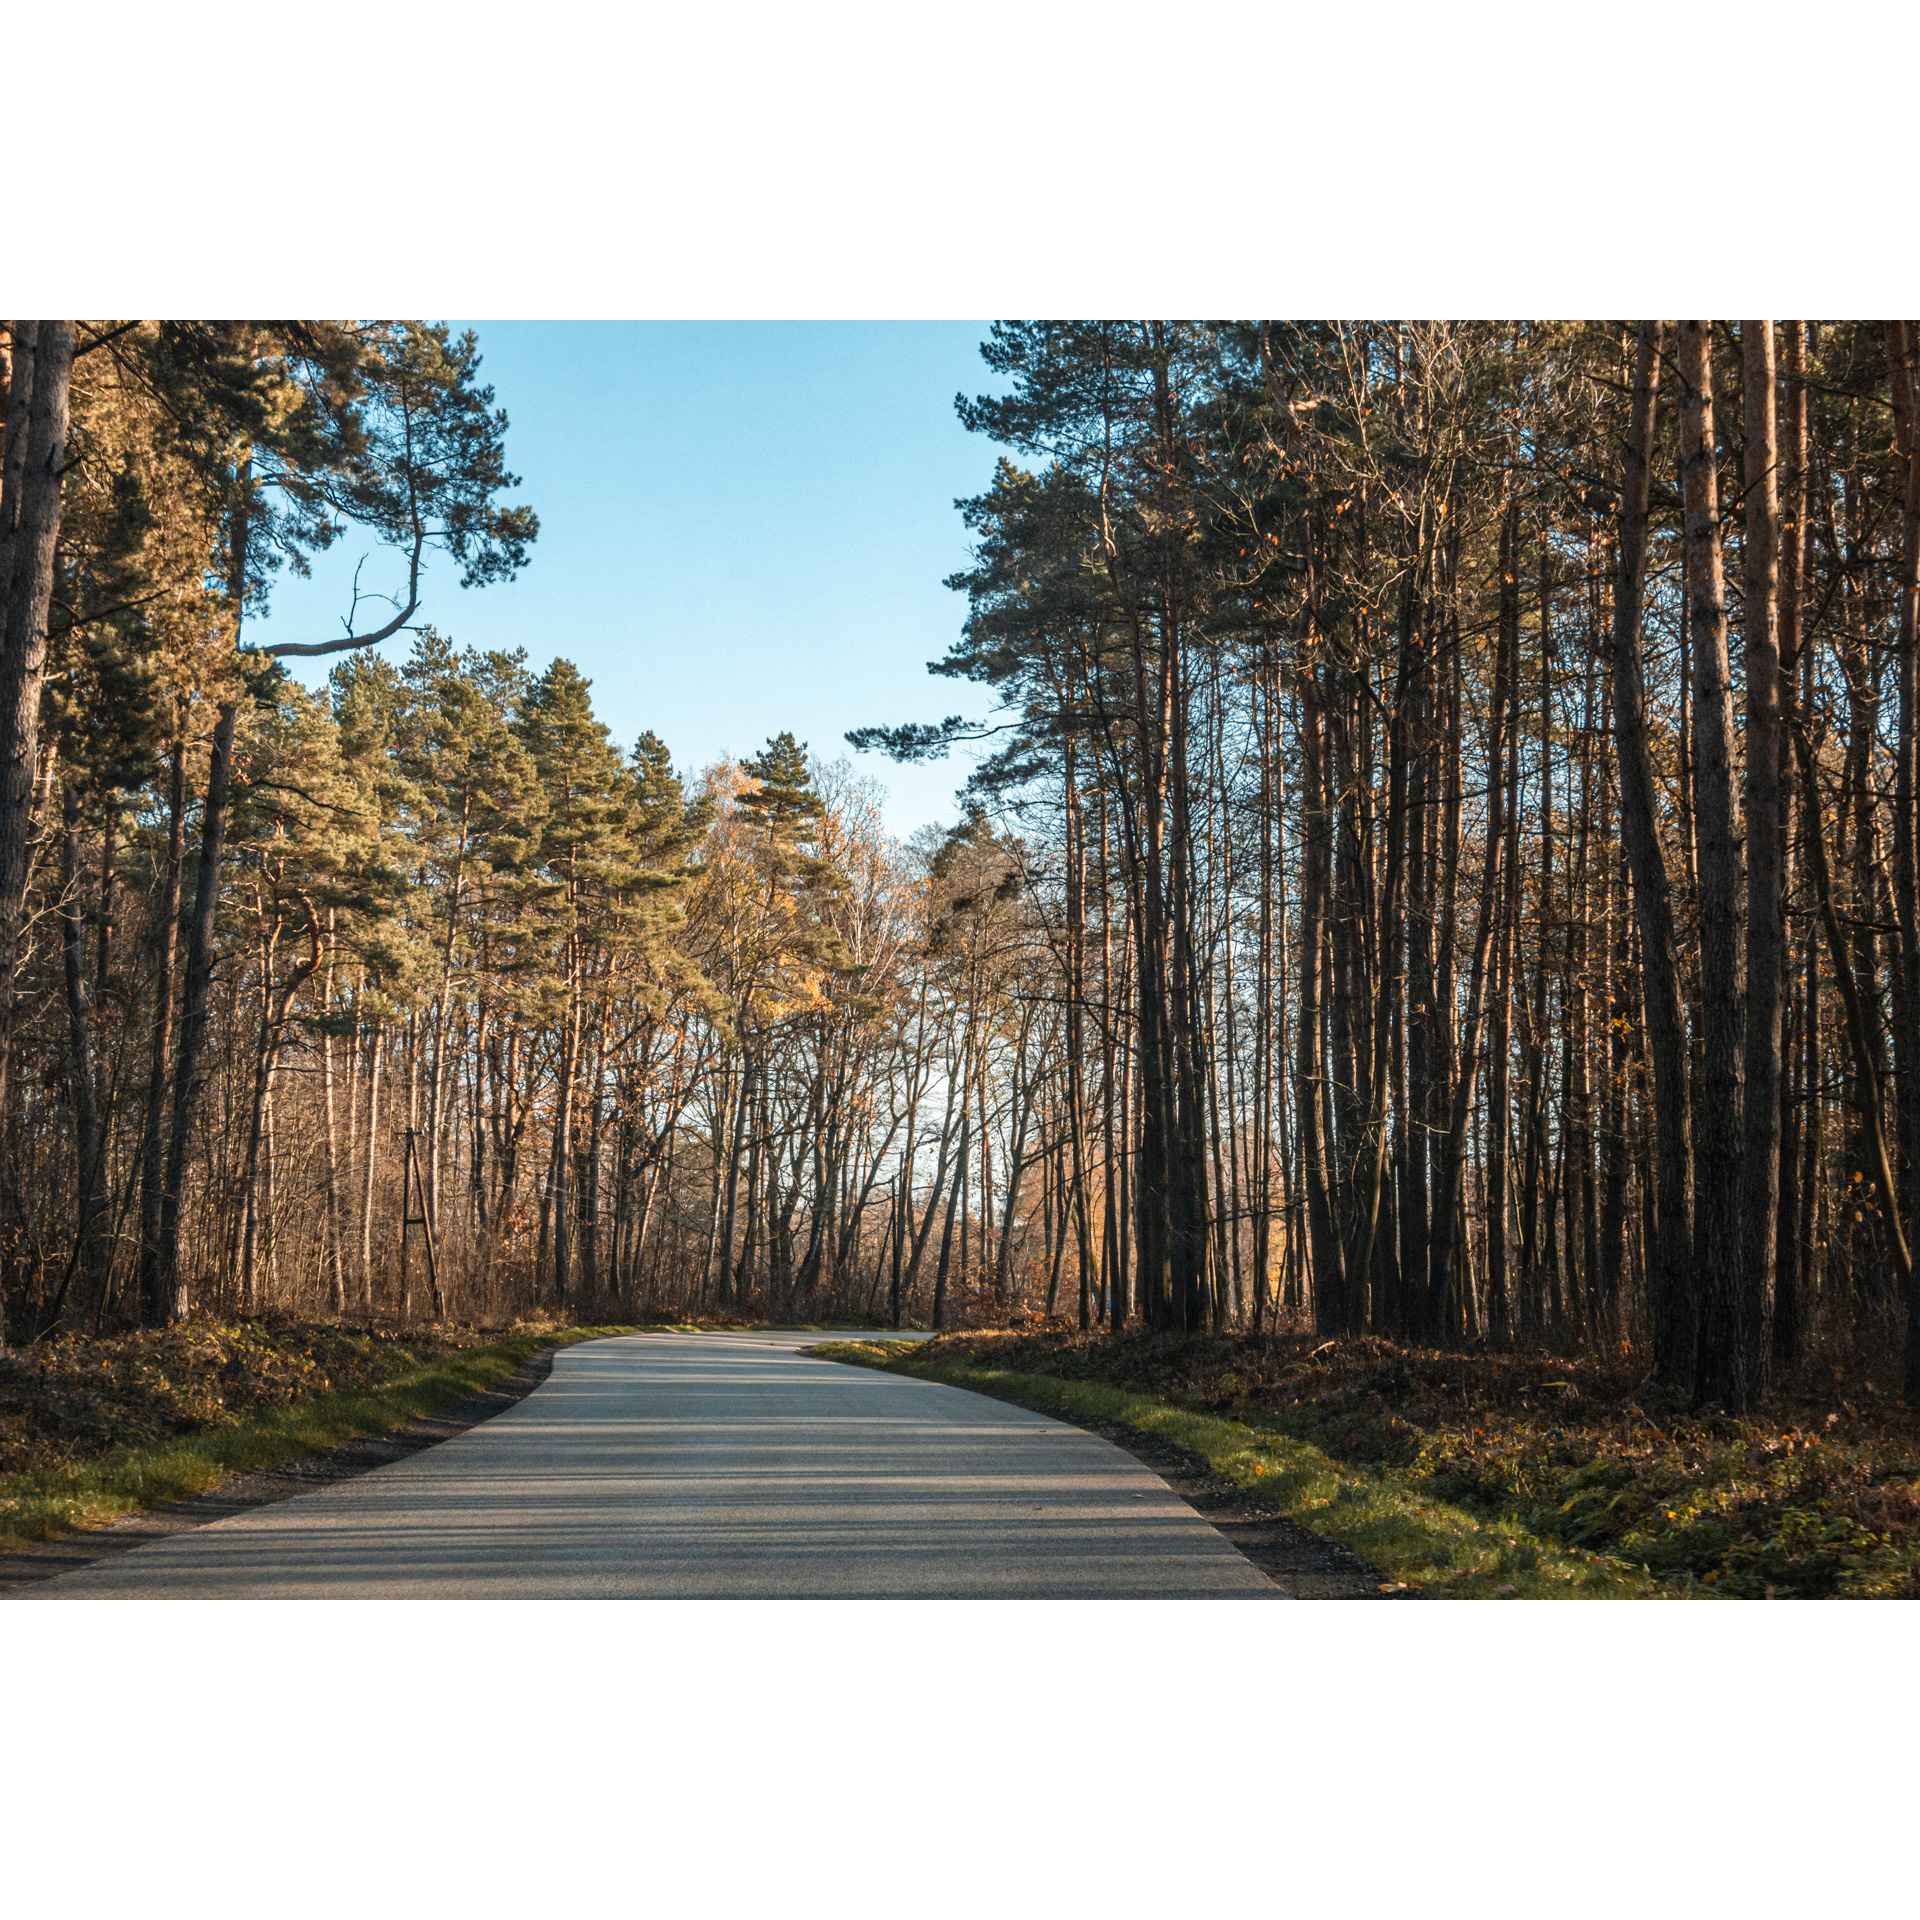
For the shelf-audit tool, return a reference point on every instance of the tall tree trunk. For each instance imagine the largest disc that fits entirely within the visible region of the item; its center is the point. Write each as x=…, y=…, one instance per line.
x=1416, y=1105
x=1766, y=865
x=1312, y=1107
x=171, y=1302
x=258, y=1108
x=1112, y=1125
x=1788, y=1285
x=560, y=1188
x=377, y=1051
x=1576, y=996
x=955, y=1195
x=89, y=1142
x=276, y=1005
x=1449, y=1288
x=736, y=1137
x=592, y=1276
x=206, y=900
x=157, y=1305
x=1615, y=1158
x=336, y=1253
x=1260, y=1144
x=40, y=375
x=1721, y=1372
x=1866, y=1066
x=1672, y=1284
x=437, y=1081
x=1498, y=1311
x=1386, y=985
x=1902, y=348
x=1531, y=1314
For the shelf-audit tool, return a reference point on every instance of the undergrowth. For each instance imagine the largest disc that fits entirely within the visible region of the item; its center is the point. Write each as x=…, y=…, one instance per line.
x=92, y=1429
x=1816, y=1495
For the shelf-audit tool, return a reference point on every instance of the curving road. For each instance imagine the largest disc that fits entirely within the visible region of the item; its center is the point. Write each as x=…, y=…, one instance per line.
x=704, y=1466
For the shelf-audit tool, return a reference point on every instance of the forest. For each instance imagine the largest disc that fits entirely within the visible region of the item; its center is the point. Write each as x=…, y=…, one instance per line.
x=1441, y=869
x=745, y=884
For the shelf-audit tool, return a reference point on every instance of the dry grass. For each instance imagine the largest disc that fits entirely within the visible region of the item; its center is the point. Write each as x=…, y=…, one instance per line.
x=71, y=1399
x=94, y=1428
x=1815, y=1496
x=1419, y=1543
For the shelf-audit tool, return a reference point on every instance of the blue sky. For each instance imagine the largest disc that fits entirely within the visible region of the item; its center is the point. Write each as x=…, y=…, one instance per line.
x=743, y=527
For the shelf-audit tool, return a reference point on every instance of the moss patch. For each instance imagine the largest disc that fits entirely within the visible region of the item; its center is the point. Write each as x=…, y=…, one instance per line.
x=1816, y=1494
x=1378, y=1512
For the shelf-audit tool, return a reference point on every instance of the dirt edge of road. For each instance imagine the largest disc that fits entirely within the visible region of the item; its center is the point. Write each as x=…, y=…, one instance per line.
x=263, y=1486
x=1298, y=1562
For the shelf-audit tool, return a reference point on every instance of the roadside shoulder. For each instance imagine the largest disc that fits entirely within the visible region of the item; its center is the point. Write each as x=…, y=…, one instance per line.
x=237, y=1492
x=1384, y=1536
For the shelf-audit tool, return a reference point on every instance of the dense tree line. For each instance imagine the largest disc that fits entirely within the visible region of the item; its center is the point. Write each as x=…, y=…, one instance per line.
x=422, y=995
x=1474, y=765
x=1443, y=867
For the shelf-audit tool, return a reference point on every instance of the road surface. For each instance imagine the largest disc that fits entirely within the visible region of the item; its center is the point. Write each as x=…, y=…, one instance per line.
x=722, y=1465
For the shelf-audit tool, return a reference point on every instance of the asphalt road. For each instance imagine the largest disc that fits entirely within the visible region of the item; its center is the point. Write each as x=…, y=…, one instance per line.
x=725, y=1465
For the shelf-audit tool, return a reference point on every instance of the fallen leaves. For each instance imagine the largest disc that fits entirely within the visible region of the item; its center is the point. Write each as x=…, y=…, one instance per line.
x=72, y=1399
x=1817, y=1495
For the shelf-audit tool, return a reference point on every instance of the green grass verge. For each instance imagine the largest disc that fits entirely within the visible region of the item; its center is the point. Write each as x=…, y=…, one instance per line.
x=67, y=1499
x=1415, y=1540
